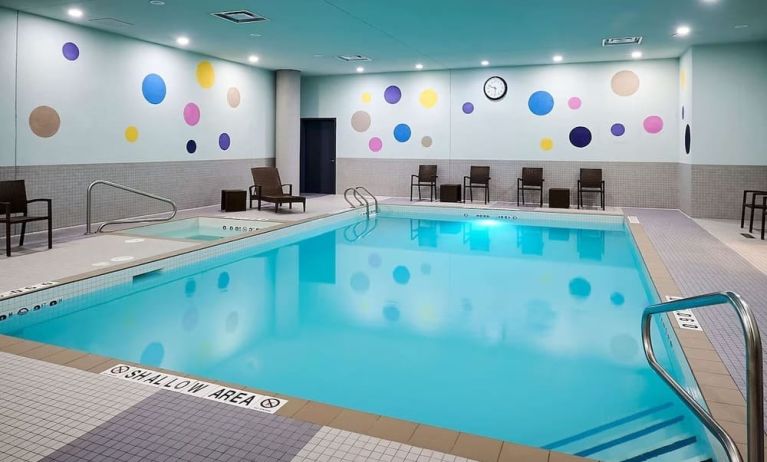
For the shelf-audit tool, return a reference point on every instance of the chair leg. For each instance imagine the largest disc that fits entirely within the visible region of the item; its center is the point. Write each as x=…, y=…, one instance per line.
x=603, y=199
x=751, y=221
x=743, y=211
x=579, y=198
x=50, y=232
x=8, y=238
x=541, y=196
x=304, y=202
x=411, y=192
x=23, y=231
x=517, y=196
x=290, y=205
x=487, y=194
x=259, y=203
x=523, y=196
x=471, y=194
x=419, y=192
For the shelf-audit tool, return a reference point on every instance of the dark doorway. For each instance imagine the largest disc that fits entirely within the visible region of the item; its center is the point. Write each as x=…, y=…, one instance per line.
x=318, y=156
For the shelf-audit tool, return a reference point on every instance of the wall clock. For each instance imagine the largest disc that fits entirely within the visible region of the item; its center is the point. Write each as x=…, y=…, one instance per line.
x=495, y=88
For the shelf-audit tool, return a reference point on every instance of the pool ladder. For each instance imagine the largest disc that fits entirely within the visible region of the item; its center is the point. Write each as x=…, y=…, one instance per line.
x=754, y=390
x=360, y=198
x=88, y=201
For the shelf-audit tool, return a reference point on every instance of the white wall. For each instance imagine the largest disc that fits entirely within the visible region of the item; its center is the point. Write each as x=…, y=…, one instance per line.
x=504, y=129
x=99, y=95
x=730, y=97
x=7, y=86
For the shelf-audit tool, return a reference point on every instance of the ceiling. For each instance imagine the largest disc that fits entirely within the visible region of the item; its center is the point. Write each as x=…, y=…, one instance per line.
x=441, y=34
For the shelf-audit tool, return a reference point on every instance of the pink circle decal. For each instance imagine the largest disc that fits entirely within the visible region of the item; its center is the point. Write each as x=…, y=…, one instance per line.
x=574, y=103
x=191, y=114
x=375, y=144
x=653, y=124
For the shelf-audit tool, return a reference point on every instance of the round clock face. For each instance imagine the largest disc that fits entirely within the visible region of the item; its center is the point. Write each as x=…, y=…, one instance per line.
x=495, y=88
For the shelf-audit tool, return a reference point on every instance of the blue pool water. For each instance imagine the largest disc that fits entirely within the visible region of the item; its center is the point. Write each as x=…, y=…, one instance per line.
x=517, y=332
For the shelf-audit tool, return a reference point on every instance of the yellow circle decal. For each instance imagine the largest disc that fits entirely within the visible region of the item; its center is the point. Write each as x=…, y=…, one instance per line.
x=206, y=76
x=131, y=134
x=682, y=79
x=367, y=97
x=547, y=144
x=428, y=98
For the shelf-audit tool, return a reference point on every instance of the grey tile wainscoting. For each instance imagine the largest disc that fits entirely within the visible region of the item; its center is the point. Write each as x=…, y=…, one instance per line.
x=716, y=191
x=189, y=183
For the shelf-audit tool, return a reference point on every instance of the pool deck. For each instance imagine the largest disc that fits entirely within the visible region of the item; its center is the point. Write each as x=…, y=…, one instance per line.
x=70, y=413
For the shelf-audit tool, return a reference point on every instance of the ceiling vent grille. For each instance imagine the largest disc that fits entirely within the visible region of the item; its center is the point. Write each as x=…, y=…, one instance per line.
x=614, y=41
x=240, y=16
x=353, y=58
x=109, y=22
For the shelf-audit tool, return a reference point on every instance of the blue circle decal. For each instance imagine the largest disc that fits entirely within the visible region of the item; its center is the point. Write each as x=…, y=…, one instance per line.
x=402, y=133
x=153, y=88
x=401, y=275
x=540, y=103
x=191, y=146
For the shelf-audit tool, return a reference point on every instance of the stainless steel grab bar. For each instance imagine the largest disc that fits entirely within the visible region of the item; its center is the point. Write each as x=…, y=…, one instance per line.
x=360, y=198
x=126, y=220
x=754, y=391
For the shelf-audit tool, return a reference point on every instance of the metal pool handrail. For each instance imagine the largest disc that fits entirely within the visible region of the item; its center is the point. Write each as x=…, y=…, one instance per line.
x=126, y=220
x=754, y=391
x=360, y=198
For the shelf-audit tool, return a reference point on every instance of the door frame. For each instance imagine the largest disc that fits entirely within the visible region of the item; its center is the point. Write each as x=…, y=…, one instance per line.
x=303, y=150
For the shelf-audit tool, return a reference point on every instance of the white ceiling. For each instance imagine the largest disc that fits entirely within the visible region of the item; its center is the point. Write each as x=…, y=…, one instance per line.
x=308, y=34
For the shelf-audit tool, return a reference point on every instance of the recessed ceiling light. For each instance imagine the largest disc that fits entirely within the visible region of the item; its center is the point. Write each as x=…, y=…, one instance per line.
x=255, y=35
x=419, y=66
x=156, y=2
x=253, y=58
x=183, y=41
x=636, y=54
x=683, y=31
x=360, y=69
x=75, y=12
x=485, y=62
x=557, y=58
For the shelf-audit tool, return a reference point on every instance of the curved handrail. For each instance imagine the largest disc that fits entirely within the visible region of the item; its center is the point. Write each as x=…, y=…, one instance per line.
x=754, y=391
x=369, y=194
x=346, y=198
x=125, y=220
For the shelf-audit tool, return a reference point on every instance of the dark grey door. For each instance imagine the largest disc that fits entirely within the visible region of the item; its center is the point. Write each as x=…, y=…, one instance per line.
x=318, y=156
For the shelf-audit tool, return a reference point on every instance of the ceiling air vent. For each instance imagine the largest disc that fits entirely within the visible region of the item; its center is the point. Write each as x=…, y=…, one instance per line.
x=240, y=16
x=109, y=22
x=613, y=41
x=353, y=58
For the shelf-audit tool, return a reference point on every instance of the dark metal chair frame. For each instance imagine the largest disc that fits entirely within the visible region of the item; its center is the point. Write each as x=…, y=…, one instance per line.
x=427, y=177
x=753, y=205
x=13, y=201
x=591, y=181
x=532, y=180
x=479, y=177
x=267, y=187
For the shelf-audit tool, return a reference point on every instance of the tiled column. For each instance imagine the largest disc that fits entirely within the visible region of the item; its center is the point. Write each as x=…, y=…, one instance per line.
x=288, y=126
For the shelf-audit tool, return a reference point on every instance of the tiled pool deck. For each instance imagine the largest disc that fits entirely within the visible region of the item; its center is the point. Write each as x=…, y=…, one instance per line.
x=56, y=408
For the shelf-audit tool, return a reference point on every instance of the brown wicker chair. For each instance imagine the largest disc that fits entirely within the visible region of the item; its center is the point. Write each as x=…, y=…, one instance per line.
x=532, y=180
x=479, y=177
x=267, y=187
x=591, y=181
x=426, y=178
x=753, y=205
x=14, y=209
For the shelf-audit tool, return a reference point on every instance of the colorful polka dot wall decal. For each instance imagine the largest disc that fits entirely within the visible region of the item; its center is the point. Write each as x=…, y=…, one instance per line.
x=392, y=94
x=580, y=137
x=467, y=108
x=682, y=79
x=540, y=103
x=191, y=114
x=206, y=76
x=547, y=144
x=131, y=134
x=682, y=112
x=153, y=88
x=687, y=139
x=653, y=124
x=401, y=275
x=70, y=51
x=224, y=141
x=233, y=97
x=402, y=132
x=375, y=144
x=361, y=121
x=426, y=141
x=617, y=129
x=625, y=83
x=191, y=146
x=366, y=97
x=44, y=121
x=428, y=98
x=574, y=103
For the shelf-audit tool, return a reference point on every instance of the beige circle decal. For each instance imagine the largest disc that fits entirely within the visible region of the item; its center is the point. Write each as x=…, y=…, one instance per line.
x=361, y=121
x=233, y=97
x=426, y=141
x=625, y=83
x=44, y=121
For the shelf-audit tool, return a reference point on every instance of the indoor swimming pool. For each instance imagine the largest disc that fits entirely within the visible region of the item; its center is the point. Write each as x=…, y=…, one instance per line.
x=523, y=327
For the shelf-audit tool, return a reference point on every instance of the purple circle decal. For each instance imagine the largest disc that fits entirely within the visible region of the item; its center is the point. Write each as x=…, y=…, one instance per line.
x=580, y=137
x=224, y=141
x=682, y=112
x=653, y=124
x=70, y=51
x=467, y=108
x=618, y=129
x=191, y=146
x=375, y=144
x=392, y=94
x=191, y=114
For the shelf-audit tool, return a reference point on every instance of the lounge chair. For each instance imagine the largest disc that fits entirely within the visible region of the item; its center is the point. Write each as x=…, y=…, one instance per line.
x=267, y=187
x=591, y=181
x=753, y=205
x=532, y=180
x=14, y=210
x=427, y=177
x=479, y=177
